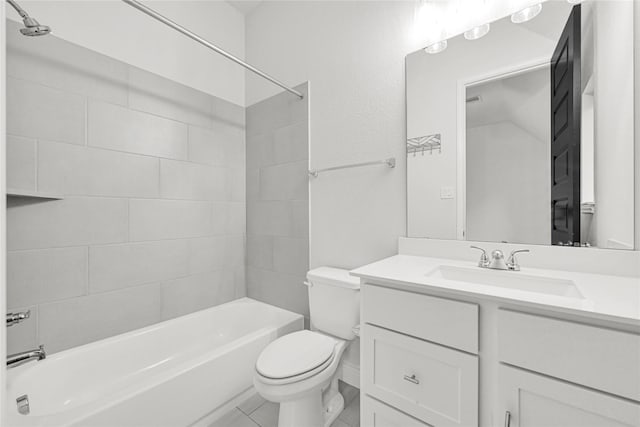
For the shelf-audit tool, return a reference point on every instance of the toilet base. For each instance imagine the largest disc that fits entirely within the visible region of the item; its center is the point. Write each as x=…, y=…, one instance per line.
x=317, y=409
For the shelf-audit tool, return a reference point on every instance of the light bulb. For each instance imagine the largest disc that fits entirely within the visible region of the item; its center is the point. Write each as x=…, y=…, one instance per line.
x=436, y=47
x=477, y=32
x=527, y=14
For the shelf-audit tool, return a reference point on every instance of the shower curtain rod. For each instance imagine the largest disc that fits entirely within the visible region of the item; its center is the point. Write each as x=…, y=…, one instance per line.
x=152, y=13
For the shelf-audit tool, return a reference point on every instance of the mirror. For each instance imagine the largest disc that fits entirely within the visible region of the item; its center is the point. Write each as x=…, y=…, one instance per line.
x=526, y=134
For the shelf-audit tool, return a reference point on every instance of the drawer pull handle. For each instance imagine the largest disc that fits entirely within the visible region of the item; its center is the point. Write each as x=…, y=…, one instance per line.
x=507, y=419
x=412, y=379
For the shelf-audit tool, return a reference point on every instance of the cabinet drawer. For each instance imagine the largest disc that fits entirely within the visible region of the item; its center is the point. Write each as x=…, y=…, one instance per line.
x=600, y=358
x=435, y=384
x=447, y=322
x=377, y=414
x=535, y=400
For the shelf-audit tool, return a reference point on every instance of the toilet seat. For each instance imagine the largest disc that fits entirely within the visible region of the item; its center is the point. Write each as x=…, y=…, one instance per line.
x=295, y=357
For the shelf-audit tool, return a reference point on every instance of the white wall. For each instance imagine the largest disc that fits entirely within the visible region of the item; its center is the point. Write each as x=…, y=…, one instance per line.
x=614, y=127
x=353, y=55
x=122, y=32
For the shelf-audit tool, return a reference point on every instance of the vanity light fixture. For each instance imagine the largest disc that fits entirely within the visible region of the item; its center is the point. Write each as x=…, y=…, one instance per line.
x=527, y=14
x=476, y=32
x=436, y=47
x=574, y=1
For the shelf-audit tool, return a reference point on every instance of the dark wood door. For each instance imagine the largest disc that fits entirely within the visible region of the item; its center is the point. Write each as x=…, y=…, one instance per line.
x=566, y=111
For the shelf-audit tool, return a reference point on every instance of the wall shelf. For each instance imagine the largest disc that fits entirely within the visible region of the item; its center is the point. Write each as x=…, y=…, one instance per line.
x=32, y=194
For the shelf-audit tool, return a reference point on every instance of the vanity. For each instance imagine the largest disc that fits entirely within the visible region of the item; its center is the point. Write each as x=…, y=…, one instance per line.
x=447, y=343
x=514, y=142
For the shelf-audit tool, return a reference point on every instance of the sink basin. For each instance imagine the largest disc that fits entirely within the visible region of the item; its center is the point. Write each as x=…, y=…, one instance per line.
x=508, y=279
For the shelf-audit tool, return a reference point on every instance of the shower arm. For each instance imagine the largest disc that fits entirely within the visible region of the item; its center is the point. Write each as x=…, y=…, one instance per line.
x=152, y=13
x=21, y=12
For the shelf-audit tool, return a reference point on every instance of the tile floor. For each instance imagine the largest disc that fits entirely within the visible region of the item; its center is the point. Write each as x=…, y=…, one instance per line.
x=257, y=412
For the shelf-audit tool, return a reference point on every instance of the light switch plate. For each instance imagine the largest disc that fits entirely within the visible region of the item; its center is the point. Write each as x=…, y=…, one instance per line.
x=446, y=193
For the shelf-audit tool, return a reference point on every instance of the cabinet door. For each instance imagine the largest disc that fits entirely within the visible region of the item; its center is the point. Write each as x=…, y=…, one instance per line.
x=377, y=414
x=435, y=384
x=538, y=401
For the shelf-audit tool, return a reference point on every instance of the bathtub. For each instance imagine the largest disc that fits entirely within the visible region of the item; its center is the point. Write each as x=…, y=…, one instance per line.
x=180, y=372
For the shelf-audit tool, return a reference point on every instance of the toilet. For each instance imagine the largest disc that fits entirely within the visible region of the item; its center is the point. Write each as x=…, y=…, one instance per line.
x=300, y=370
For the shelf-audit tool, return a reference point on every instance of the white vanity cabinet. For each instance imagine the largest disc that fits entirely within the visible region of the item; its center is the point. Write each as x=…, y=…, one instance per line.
x=419, y=356
x=450, y=360
x=532, y=400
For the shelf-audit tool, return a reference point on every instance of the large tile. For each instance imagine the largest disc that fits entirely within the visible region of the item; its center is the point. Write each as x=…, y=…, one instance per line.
x=260, y=252
x=78, y=321
x=351, y=414
x=21, y=163
x=300, y=215
x=270, y=218
x=168, y=219
x=38, y=111
x=221, y=146
x=206, y=146
x=235, y=418
x=236, y=221
x=260, y=152
x=196, y=292
x=24, y=335
x=339, y=423
x=228, y=113
x=192, y=181
x=251, y=404
x=289, y=181
x=268, y=115
x=119, y=266
x=85, y=171
x=291, y=255
x=118, y=128
x=46, y=275
x=279, y=289
x=59, y=64
x=236, y=184
x=158, y=95
x=291, y=143
x=266, y=415
x=207, y=254
x=73, y=221
x=235, y=255
x=253, y=184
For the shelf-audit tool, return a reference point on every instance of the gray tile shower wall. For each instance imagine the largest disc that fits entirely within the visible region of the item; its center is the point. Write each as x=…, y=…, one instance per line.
x=152, y=223
x=278, y=200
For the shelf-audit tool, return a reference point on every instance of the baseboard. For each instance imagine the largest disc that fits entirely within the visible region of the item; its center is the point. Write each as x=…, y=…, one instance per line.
x=350, y=374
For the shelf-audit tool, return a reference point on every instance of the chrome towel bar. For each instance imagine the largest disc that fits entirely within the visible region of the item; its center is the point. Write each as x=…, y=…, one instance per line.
x=390, y=162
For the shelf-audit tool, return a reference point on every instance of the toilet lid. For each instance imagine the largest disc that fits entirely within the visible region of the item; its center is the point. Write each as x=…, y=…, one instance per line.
x=295, y=354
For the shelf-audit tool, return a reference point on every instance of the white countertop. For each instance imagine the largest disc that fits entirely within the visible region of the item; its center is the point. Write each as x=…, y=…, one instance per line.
x=615, y=298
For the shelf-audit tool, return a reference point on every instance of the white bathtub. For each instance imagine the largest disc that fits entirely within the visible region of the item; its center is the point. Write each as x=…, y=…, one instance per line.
x=174, y=373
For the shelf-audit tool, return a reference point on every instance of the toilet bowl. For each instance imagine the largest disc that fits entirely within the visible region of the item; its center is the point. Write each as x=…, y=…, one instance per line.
x=300, y=370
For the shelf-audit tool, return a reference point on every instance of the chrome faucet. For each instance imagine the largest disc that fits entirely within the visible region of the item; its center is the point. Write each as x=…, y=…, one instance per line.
x=15, y=318
x=14, y=360
x=497, y=261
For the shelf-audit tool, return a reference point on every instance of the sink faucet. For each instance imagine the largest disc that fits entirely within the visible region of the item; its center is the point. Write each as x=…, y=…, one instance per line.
x=18, y=359
x=497, y=261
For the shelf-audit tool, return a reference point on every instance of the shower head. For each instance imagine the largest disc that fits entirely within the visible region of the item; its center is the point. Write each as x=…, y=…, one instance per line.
x=31, y=26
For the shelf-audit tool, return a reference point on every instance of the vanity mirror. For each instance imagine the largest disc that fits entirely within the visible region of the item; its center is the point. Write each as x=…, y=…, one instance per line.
x=525, y=135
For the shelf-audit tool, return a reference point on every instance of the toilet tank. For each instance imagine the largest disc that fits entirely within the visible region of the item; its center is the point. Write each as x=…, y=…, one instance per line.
x=334, y=301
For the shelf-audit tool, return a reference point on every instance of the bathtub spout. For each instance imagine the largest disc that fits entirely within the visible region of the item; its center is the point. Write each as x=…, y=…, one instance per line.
x=18, y=359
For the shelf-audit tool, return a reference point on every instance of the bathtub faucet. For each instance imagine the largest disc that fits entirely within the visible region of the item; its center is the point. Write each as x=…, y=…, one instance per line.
x=18, y=359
